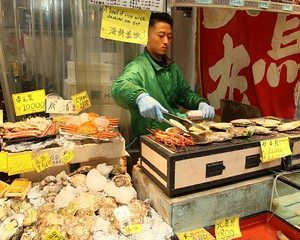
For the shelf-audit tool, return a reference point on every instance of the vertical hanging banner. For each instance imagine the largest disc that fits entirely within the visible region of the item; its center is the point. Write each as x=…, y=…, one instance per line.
x=125, y=25
x=258, y=66
x=29, y=102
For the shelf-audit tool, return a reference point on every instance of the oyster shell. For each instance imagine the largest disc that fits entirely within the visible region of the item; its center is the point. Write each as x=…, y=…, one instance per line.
x=139, y=210
x=119, y=169
x=95, y=182
x=219, y=136
x=239, y=132
x=43, y=210
x=78, y=180
x=267, y=122
x=106, y=207
x=241, y=122
x=288, y=126
x=259, y=130
x=221, y=126
x=86, y=200
x=30, y=217
x=122, y=180
x=104, y=169
x=30, y=233
x=65, y=196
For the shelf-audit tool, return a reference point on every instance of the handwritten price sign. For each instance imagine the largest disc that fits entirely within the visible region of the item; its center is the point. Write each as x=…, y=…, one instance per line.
x=19, y=163
x=42, y=162
x=133, y=228
x=3, y=161
x=81, y=101
x=54, y=234
x=196, y=234
x=29, y=102
x=60, y=106
x=228, y=228
x=126, y=25
x=67, y=156
x=275, y=148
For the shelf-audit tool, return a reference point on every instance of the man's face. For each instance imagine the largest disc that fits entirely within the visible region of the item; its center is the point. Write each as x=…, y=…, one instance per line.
x=159, y=39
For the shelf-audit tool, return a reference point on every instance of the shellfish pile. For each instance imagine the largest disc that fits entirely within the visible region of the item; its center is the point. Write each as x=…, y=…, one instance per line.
x=81, y=206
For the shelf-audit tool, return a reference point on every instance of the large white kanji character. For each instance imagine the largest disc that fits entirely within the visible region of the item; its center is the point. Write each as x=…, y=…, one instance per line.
x=286, y=37
x=227, y=70
x=285, y=42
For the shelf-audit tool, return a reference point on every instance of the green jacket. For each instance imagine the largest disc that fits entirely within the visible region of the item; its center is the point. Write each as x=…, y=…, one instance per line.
x=166, y=84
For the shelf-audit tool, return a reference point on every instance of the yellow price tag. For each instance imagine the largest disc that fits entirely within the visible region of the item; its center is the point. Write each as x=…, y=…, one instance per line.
x=196, y=234
x=1, y=118
x=3, y=161
x=54, y=234
x=133, y=228
x=125, y=24
x=228, y=228
x=19, y=163
x=81, y=101
x=29, y=102
x=67, y=156
x=275, y=148
x=42, y=162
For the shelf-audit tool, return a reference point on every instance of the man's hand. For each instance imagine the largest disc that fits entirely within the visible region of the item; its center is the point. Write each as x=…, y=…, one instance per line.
x=149, y=107
x=207, y=110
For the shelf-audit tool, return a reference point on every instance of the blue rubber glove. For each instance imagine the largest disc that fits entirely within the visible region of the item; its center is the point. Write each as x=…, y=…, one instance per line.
x=149, y=107
x=208, y=111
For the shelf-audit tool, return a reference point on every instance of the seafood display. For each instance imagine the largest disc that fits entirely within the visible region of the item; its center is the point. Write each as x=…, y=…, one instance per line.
x=288, y=126
x=31, y=127
x=73, y=209
x=212, y=132
x=171, y=139
x=84, y=125
x=88, y=124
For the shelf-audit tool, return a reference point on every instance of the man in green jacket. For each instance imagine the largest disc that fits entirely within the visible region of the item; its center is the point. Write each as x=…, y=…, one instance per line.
x=152, y=83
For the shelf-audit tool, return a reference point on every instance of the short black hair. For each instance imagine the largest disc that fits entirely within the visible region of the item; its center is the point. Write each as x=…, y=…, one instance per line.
x=160, y=17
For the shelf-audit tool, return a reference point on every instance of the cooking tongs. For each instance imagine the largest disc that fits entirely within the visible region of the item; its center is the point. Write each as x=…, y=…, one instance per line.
x=187, y=123
x=184, y=121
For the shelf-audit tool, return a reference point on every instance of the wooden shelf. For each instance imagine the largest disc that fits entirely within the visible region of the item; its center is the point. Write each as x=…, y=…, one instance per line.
x=241, y=5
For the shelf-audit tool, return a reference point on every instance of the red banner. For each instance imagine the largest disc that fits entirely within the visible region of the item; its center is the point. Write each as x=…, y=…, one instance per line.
x=251, y=57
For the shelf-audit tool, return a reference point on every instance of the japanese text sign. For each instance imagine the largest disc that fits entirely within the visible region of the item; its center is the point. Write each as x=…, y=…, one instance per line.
x=196, y=234
x=81, y=101
x=273, y=149
x=67, y=156
x=133, y=228
x=228, y=228
x=29, y=102
x=19, y=163
x=3, y=161
x=54, y=234
x=126, y=25
x=60, y=106
x=42, y=162
x=153, y=5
